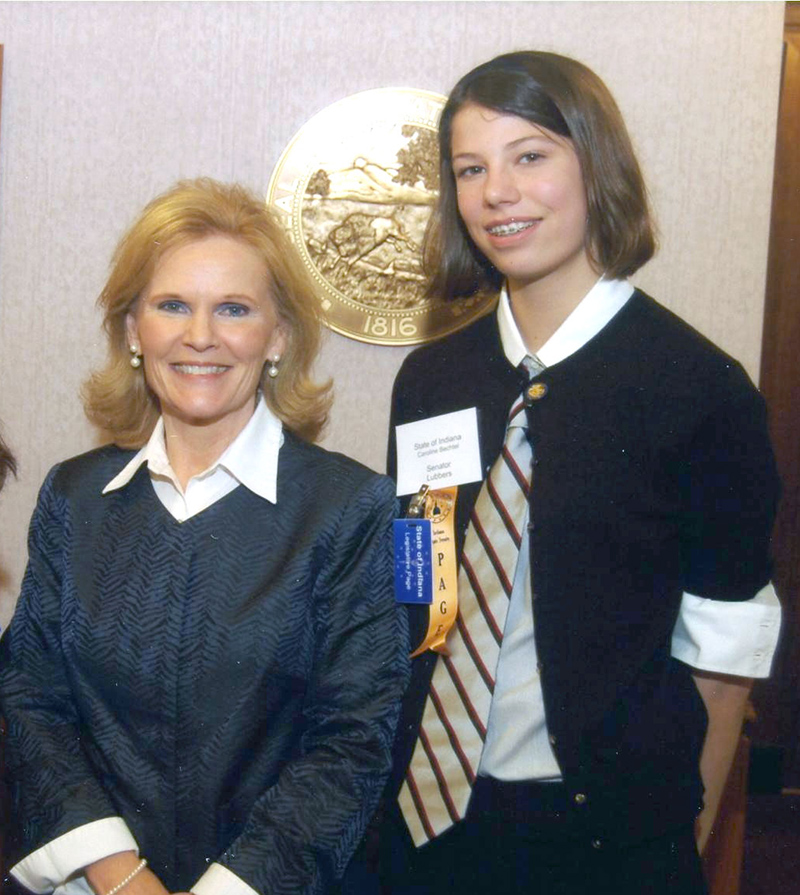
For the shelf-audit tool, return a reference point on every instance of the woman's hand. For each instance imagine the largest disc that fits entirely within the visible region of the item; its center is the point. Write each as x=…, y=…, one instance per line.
x=105, y=874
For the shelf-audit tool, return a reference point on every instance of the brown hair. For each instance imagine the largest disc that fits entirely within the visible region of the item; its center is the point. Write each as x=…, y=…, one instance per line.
x=8, y=465
x=565, y=97
x=117, y=398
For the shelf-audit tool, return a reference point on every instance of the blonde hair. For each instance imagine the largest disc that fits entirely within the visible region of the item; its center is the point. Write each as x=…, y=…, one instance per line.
x=117, y=398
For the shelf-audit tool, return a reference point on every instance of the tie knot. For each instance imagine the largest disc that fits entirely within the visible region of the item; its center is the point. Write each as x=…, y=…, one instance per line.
x=530, y=367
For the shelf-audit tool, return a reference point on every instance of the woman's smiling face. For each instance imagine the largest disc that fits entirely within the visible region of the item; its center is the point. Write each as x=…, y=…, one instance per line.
x=205, y=325
x=520, y=195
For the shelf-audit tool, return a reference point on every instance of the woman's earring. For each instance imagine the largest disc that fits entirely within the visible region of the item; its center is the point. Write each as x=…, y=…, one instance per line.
x=136, y=358
x=272, y=369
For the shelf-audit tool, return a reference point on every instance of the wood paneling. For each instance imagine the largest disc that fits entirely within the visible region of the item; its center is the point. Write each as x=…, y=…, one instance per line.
x=778, y=701
x=722, y=858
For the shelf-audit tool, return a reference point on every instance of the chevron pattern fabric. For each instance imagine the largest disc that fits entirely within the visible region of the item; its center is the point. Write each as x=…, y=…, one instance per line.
x=436, y=791
x=229, y=685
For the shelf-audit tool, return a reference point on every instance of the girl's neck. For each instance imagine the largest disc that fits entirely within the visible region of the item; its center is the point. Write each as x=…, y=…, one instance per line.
x=540, y=307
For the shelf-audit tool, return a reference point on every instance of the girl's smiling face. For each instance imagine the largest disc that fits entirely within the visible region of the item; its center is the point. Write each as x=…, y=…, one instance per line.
x=521, y=197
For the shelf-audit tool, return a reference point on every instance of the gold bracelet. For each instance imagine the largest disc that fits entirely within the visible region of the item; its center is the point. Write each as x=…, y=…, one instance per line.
x=138, y=869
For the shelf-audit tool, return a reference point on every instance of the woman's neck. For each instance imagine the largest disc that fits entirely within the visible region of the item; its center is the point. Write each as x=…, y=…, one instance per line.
x=192, y=448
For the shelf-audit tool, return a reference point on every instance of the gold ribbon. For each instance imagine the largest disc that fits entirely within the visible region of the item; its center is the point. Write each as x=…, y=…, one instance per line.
x=440, y=507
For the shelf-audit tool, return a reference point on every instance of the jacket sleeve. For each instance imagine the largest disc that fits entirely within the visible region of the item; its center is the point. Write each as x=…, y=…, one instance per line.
x=52, y=784
x=730, y=493
x=301, y=832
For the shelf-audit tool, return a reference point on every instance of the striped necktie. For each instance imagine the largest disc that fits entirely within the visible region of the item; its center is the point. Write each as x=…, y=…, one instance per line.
x=439, y=780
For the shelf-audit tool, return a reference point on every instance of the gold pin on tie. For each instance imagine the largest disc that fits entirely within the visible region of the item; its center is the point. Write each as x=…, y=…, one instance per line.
x=536, y=391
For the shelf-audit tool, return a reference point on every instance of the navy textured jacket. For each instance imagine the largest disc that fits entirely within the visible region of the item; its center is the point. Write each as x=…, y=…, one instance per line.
x=653, y=475
x=228, y=685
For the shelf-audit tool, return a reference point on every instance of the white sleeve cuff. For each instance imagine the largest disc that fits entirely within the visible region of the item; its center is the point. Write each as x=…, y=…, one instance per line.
x=46, y=868
x=218, y=880
x=728, y=637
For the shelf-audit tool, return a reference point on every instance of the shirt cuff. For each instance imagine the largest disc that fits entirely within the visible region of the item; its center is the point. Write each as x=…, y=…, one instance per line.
x=736, y=638
x=46, y=868
x=218, y=880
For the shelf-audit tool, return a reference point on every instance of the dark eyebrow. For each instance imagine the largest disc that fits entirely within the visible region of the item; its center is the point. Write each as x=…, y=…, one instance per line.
x=536, y=136
x=514, y=144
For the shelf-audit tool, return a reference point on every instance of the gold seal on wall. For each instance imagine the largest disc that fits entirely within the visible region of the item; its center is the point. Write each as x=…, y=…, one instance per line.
x=354, y=189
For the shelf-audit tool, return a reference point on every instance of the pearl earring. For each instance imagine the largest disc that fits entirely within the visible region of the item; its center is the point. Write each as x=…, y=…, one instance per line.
x=272, y=369
x=136, y=358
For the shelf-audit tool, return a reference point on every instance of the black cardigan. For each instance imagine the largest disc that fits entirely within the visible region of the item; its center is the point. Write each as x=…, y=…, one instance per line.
x=653, y=475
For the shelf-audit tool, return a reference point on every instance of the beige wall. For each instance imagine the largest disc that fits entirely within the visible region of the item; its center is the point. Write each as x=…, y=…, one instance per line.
x=104, y=104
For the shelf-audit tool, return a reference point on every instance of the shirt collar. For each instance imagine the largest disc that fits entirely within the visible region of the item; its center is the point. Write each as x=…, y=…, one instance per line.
x=602, y=302
x=251, y=458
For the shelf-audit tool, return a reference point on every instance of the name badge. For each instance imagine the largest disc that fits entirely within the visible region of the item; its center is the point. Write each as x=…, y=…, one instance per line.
x=413, y=576
x=441, y=451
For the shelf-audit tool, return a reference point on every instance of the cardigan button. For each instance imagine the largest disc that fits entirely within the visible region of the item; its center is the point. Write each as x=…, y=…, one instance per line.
x=579, y=798
x=597, y=843
x=552, y=739
x=535, y=392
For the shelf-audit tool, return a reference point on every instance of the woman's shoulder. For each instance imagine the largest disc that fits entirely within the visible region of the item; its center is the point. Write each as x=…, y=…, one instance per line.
x=75, y=486
x=328, y=471
x=85, y=471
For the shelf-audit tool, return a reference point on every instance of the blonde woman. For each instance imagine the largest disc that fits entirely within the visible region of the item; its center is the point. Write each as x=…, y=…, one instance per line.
x=202, y=675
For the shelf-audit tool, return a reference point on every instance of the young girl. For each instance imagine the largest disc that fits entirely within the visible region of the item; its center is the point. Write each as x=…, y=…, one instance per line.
x=568, y=749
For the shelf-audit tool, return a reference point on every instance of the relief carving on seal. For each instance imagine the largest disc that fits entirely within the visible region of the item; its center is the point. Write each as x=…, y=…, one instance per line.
x=354, y=189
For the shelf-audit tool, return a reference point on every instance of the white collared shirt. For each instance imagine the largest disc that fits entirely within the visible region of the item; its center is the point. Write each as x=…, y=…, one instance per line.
x=711, y=635
x=250, y=460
